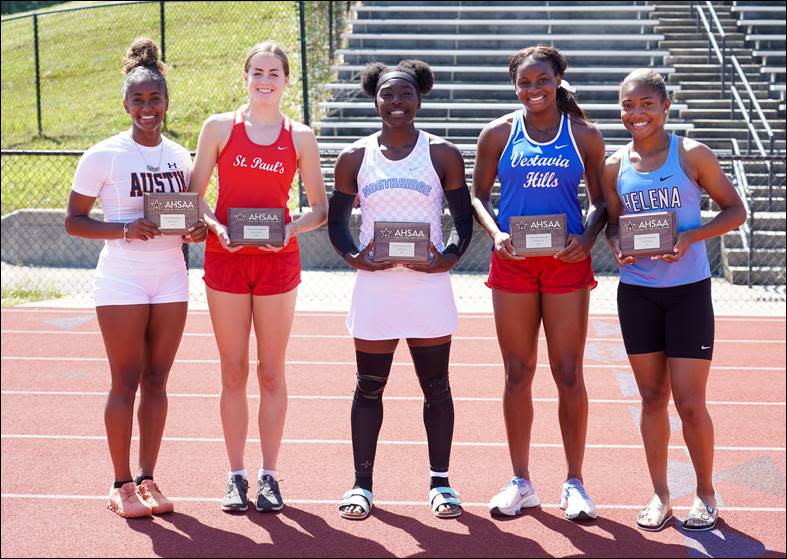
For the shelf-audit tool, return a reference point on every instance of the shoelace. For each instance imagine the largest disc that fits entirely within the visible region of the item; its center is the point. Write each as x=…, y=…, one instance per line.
x=518, y=482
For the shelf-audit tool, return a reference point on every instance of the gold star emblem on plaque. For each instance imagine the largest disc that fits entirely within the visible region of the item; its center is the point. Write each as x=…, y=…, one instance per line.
x=386, y=233
x=630, y=227
x=156, y=205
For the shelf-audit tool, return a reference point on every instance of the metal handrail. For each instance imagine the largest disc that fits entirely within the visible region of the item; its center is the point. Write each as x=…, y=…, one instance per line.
x=712, y=43
x=753, y=103
x=752, y=130
x=746, y=229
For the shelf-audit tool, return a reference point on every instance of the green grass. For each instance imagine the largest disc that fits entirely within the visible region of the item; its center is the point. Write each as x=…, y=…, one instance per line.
x=18, y=295
x=81, y=78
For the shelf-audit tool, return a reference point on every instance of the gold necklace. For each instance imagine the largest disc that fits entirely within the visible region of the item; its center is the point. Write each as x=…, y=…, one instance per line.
x=150, y=167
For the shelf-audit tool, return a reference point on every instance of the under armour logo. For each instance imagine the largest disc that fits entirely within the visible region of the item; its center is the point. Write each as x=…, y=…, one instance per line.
x=172, y=165
x=366, y=465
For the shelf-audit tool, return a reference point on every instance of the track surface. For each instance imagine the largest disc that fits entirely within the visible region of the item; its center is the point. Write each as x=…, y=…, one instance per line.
x=56, y=469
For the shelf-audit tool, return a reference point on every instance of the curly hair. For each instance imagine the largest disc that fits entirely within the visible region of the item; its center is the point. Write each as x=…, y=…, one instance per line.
x=418, y=69
x=142, y=63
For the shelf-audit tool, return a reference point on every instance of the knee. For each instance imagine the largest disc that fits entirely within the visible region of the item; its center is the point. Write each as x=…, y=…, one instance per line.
x=568, y=377
x=234, y=375
x=691, y=410
x=154, y=382
x=519, y=374
x=654, y=398
x=436, y=389
x=271, y=378
x=125, y=388
x=373, y=371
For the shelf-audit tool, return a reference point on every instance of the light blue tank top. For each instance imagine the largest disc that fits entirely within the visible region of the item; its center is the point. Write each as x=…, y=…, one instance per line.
x=668, y=188
x=540, y=178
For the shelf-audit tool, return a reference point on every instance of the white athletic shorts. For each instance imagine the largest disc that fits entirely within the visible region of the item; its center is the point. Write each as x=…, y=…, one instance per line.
x=401, y=303
x=125, y=277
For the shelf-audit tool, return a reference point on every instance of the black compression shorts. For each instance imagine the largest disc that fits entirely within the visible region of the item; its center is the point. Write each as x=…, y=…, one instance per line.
x=676, y=320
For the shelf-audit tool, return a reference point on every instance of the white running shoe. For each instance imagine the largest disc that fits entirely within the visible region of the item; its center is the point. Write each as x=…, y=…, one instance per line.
x=518, y=494
x=574, y=499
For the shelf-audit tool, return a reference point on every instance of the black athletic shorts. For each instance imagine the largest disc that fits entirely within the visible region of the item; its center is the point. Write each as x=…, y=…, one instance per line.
x=676, y=320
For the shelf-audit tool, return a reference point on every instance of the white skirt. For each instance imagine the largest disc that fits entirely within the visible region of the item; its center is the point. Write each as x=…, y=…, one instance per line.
x=401, y=303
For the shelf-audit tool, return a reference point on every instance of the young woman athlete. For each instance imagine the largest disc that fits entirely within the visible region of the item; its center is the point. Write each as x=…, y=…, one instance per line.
x=401, y=174
x=141, y=284
x=540, y=153
x=664, y=302
x=256, y=151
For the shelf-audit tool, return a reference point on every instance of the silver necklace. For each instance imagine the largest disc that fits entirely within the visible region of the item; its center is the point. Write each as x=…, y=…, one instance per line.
x=150, y=167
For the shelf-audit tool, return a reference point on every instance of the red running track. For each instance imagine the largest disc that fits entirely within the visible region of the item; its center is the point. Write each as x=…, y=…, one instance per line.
x=56, y=469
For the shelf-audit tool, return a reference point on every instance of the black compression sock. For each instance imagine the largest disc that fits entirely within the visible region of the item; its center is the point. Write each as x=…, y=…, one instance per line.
x=119, y=484
x=436, y=481
x=364, y=482
x=141, y=477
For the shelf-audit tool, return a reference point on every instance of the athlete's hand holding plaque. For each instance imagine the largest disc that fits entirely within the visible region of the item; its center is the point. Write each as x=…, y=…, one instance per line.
x=538, y=235
x=173, y=213
x=396, y=241
x=647, y=234
x=256, y=226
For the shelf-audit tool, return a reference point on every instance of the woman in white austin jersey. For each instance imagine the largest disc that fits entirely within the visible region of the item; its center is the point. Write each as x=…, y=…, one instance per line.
x=401, y=174
x=140, y=284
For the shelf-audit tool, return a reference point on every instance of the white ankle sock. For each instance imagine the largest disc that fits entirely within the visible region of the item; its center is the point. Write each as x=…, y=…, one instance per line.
x=238, y=473
x=263, y=472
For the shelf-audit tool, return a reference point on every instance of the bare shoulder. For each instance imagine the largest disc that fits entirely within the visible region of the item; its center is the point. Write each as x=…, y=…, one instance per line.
x=301, y=130
x=585, y=130
x=442, y=146
x=352, y=154
x=219, y=123
x=615, y=159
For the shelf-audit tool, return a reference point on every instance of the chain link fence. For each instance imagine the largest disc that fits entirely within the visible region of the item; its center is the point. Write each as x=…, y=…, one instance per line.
x=748, y=264
x=204, y=43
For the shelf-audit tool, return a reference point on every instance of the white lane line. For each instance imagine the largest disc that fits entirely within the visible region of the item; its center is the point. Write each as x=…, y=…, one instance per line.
x=377, y=502
x=353, y=364
x=346, y=337
x=466, y=444
x=387, y=398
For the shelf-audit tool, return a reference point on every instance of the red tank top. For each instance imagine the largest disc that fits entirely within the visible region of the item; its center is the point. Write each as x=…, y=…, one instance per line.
x=254, y=176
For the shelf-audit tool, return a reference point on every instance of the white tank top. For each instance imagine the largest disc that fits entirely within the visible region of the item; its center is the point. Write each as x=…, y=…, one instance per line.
x=404, y=190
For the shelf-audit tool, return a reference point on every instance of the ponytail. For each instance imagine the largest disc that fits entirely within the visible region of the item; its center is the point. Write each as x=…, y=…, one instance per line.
x=567, y=103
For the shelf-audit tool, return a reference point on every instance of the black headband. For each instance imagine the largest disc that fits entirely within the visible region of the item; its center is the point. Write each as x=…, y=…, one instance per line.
x=397, y=74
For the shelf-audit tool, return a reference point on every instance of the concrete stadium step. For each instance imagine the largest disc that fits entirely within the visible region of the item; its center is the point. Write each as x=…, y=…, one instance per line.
x=506, y=10
x=719, y=113
x=739, y=275
x=512, y=41
x=496, y=57
x=761, y=239
x=715, y=84
x=763, y=204
x=762, y=257
x=696, y=43
x=490, y=92
x=458, y=110
x=555, y=25
x=475, y=73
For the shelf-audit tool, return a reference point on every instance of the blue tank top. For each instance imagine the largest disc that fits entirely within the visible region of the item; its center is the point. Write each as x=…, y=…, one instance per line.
x=540, y=178
x=668, y=188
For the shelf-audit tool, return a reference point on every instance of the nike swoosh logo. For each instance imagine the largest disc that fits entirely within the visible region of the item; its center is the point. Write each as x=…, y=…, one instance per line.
x=705, y=347
x=561, y=147
x=281, y=147
x=662, y=179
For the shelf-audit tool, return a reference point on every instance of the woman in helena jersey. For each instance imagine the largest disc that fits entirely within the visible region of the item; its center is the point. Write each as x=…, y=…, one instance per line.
x=256, y=150
x=141, y=283
x=540, y=153
x=401, y=174
x=664, y=302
